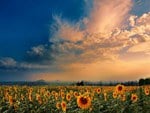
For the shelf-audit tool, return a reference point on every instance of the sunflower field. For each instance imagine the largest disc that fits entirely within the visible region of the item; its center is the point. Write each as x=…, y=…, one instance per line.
x=75, y=99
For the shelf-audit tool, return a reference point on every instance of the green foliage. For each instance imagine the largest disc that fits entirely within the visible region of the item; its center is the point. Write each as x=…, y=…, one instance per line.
x=23, y=104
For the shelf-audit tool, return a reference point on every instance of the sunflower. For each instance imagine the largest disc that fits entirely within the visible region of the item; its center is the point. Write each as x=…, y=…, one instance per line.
x=63, y=106
x=30, y=90
x=11, y=100
x=146, y=90
x=115, y=94
x=134, y=97
x=68, y=97
x=48, y=94
x=76, y=94
x=120, y=88
x=123, y=97
x=98, y=90
x=56, y=96
x=53, y=93
x=58, y=105
x=84, y=102
x=38, y=98
x=62, y=95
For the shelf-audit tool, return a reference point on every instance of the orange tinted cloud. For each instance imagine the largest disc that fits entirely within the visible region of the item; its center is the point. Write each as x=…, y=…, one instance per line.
x=107, y=15
x=103, y=50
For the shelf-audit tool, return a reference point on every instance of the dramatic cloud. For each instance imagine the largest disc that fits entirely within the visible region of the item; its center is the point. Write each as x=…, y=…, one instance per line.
x=88, y=40
x=107, y=15
x=108, y=43
x=99, y=46
x=140, y=36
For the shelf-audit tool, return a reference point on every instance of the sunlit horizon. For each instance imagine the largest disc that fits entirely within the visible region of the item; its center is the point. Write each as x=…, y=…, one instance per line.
x=99, y=40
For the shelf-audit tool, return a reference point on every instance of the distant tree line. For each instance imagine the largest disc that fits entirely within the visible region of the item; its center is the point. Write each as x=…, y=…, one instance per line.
x=22, y=83
x=144, y=81
x=86, y=83
x=141, y=82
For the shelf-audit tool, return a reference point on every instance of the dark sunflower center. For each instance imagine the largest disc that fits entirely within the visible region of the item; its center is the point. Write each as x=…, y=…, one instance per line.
x=119, y=88
x=64, y=105
x=83, y=100
x=76, y=94
x=134, y=98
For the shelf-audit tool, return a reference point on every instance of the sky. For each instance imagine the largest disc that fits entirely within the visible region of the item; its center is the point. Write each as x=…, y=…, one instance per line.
x=72, y=40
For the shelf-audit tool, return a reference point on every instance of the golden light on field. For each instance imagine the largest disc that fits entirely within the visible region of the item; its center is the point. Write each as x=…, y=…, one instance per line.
x=83, y=98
